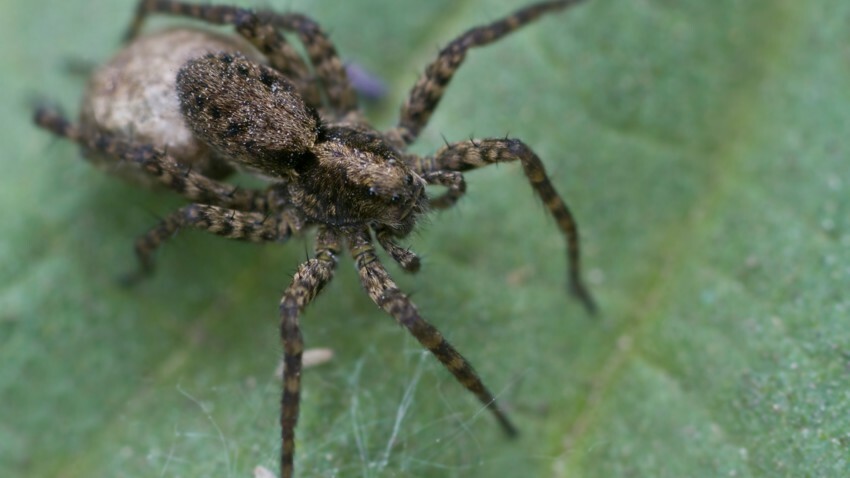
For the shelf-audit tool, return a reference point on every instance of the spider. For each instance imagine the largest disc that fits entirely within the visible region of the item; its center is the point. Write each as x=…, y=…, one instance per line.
x=197, y=105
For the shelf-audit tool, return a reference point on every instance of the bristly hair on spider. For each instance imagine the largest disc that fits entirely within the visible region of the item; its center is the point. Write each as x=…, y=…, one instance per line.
x=185, y=108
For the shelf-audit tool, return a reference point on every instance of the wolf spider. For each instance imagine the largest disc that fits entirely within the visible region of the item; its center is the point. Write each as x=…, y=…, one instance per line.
x=296, y=123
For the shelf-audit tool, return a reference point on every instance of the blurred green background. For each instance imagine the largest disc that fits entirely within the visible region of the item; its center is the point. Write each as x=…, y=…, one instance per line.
x=702, y=146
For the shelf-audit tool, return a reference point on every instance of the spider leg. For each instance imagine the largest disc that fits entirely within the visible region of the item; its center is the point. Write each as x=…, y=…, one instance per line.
x=246, y=226
x=384, y=292
x=428, y=90
x=467, y=155
x=452, y=180
x=406, y=258
x=308, y=281
x=263, y=35
x=323, y=55
x=165, y=169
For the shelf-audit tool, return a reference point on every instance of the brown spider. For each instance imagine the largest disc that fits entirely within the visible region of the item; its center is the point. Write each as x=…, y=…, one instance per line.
x=184, y=107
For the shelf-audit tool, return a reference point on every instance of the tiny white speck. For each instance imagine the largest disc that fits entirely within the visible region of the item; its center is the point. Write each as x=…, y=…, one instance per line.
x=833, y=182
x=310, y=358
x=263, y=472
x=596, y=276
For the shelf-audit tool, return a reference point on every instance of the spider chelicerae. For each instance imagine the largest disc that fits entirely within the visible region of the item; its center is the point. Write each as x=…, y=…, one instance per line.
x=184, y=107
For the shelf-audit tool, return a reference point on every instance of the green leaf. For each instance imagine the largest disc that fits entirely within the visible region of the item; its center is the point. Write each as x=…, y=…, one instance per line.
x=700, y=144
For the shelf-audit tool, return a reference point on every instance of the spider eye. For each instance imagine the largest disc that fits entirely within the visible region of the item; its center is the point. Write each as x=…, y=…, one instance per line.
x=395, y=198
x=408, y=179
x=371, y=192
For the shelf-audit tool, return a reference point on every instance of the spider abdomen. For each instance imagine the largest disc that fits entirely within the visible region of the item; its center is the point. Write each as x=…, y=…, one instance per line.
x=247, y=112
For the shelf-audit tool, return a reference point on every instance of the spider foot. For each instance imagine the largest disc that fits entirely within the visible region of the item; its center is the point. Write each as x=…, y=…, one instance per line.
x=580, y=293
x=132, y=279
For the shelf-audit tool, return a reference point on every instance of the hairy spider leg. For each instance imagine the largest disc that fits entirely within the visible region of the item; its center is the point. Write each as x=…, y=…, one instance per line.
x=472, y=154
x=453, y=181
x=407, y=259
x=428, y=90
x=245, y=226
x=166, y=170
x=53, y=120
x=326, y=62
x=384, y=292
x=308, y=281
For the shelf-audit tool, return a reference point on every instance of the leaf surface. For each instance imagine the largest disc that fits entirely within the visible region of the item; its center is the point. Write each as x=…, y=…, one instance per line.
x=701, y=146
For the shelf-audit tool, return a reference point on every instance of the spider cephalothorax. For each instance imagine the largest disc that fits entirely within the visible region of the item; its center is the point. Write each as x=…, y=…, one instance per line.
x=184, y=108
